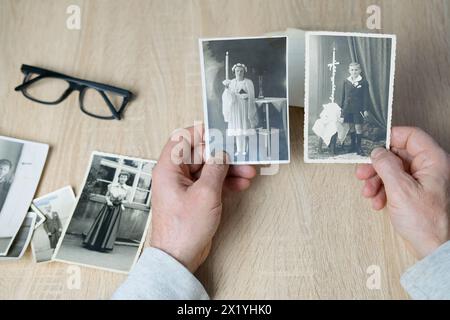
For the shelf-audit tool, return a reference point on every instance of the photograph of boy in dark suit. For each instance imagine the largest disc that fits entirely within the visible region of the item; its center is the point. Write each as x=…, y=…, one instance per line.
x=354, y=104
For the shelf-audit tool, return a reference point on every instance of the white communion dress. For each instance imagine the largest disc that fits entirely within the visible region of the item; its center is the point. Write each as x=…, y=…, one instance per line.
x=329, y=123
x=238, y=112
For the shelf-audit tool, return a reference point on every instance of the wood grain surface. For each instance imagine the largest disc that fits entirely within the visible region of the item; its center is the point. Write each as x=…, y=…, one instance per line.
x=303, y=233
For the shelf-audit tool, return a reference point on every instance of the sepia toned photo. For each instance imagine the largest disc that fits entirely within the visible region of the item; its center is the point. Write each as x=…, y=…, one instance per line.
x=245, y=98
x=55, y=209
x=21, y=165
x=108, y=225
x=348, y=95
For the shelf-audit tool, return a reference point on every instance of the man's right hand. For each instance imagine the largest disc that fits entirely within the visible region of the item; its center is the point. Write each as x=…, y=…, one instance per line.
x=413, y=182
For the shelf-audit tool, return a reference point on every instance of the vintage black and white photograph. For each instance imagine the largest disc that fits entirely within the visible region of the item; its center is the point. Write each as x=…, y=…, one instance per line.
x=348, y=95
x=56, y=209
x=22, y=238
x=245, y=98
x=21, y=165
x=108, y=225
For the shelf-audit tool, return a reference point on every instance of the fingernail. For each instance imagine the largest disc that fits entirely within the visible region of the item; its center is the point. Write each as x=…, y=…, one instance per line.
x=377, y=152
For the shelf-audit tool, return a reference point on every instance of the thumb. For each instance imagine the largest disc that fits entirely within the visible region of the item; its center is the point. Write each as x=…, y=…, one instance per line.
x=214, y=172
x=390, y=169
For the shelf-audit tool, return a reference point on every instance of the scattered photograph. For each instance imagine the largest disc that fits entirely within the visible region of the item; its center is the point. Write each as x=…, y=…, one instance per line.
x=107, y=228
x=245, y=98
x=349, y=88
x=22, y=239
x=56, y=209
x=21, y=165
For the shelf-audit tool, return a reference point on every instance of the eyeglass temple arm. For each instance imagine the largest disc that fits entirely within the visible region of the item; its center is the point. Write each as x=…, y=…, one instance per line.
x=27, y=83
x=110, y=105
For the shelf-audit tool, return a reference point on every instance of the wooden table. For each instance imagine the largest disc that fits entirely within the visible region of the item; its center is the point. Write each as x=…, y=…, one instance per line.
x=303, y=233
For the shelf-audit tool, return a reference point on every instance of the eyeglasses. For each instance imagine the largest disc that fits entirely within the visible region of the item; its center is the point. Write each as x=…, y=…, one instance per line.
x=96, y=99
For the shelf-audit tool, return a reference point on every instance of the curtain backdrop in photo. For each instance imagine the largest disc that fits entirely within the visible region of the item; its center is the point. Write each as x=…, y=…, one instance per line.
x=374, y=55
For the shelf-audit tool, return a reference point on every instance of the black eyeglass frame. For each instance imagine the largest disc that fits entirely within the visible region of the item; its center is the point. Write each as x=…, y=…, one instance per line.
x=75, y=84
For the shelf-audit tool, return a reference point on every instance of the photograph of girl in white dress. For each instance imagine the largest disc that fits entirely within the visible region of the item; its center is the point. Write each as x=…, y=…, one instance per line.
x=239, y=108
x=348, y=104
x=245, y=98
x=110, y=220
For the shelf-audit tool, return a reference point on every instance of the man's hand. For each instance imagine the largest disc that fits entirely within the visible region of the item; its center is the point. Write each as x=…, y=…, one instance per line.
x=412, y=181
x=187, y=198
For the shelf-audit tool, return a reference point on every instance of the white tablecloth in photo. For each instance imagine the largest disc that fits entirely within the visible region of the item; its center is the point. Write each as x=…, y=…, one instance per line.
x=279, y=103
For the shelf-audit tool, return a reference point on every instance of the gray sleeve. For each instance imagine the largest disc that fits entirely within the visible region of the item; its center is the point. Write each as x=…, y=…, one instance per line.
x=159, y=276
x=430, y=277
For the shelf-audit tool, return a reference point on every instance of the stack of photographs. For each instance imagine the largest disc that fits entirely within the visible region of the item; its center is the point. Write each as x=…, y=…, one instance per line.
x=22, y=238
x=21, y=165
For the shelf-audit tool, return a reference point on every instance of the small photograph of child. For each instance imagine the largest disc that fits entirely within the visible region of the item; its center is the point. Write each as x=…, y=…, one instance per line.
x=245, y=98
x=349, y=90
x=56, y=209
x=111, y=216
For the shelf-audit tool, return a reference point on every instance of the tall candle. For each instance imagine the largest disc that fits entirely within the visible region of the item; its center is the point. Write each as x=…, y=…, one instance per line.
x=226, y=66
x=332, y=67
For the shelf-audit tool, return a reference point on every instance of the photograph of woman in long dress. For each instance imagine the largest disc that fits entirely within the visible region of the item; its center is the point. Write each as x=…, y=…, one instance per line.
x=239, y=109
x=103, y=232
x=107, y=227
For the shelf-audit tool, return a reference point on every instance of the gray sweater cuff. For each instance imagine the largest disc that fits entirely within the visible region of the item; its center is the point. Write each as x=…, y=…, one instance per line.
x=430, y=277
x=159, y=276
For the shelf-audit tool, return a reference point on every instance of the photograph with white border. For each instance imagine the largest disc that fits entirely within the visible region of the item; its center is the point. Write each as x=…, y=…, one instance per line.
x=108, y=225
x=21, y=165
x=56, y=208
x=245, y=98
x=349, y=87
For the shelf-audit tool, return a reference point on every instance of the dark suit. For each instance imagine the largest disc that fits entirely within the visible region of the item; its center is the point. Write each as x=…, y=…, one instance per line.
x=53, y=227
x=355, y=100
